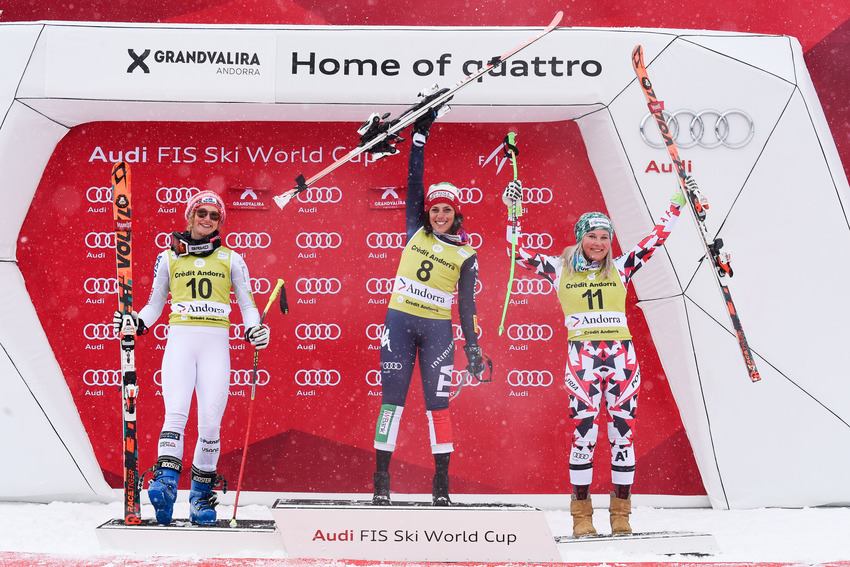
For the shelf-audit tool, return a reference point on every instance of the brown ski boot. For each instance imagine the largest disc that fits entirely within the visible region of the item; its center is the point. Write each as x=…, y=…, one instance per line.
x=582, y=511
x=620, y=510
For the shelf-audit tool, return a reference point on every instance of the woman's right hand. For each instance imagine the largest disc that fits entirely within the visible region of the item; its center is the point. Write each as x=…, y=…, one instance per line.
x=118, y=319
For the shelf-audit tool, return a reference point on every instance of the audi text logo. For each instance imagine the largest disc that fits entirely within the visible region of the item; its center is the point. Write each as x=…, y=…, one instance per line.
x=707, y=129
x=321, y=195
x=318, y=240
x=532, y=286
x=385, y=240
x=248, y=240
x=470, y=195
x=538, y=240
x=530, y=378
x=99, y=194
x=379, y=286
x=374, y=331
x=100, y=240
x=529, y=332
x=317, y=331
x=99, y=332
x=317, y=377
x=475, y=240
x=318, y=286
x=238, y=377
x=175, y=195
x=101, y=377
x=458, y=332
x=373, y=378
x=536, y=195
x=100, y=285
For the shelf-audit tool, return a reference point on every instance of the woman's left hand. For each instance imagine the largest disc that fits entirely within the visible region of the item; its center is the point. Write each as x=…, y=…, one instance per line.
x=258, y=336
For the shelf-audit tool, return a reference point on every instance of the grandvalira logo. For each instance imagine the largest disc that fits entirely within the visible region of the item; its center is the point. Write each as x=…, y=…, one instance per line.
x=227, y=62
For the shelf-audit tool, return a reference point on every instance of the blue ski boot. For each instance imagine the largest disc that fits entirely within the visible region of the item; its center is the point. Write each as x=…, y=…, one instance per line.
x=162, y=490
x=202, y=499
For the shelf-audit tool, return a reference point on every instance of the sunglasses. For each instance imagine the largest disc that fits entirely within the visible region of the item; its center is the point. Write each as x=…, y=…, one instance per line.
x=202, y=214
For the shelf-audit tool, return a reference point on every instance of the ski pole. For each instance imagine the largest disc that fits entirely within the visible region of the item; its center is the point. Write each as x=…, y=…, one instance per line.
x=514, y=212
x=278, y=288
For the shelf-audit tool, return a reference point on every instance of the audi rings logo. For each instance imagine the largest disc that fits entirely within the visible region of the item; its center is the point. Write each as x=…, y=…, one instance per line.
x=529, y=286
x=317, y=377
x=237, y=331
x=101, y=377
x=379, y=286
x=538, y=240
x=160, y=331
x=475, y=240
x=318, y=286
x=99, y=194
x=530, y=378
x=374, y=331
x=373, y=378
x=470, y=195
x=248, y=240
x=391, y=365
x=317, y=331
x=100, y=285
x=461, y=376
x=536, y=195
x=175, y=195
x=243, y=377
x=385, y=240
x=261, y=285
x=100, y=240
x=458, y=332
x=321, y=195
x=163, y=240
x=99, y=332
x=318, y=240
x=529, y=332
x=707, y=129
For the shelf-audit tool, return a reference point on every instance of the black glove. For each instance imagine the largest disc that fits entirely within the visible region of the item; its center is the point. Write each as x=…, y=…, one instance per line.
x=423, y=123
x=475, y=361
x=118, y=318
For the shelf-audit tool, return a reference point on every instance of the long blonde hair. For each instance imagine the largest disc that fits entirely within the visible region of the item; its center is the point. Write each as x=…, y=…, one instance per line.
x=606, y=267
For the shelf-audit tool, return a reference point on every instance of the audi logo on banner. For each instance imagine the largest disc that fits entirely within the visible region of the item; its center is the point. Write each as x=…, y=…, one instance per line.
x=532, y=286
x=317, y=377
x=99, y=332
x=379, y=286
x=385, y=239
x=707, y=128
x=373, y=378
x=96, y=286
x=459, y=376
x=475, y=240
x=529, y=332
x=530, y=378
x=458, y=332
x=163, y=240
x=102, y=377
x=318, y=240
x=321, y=195
x=175, y=195
x=160, y=331
x=374, y=331
x=318, y=286
x=536, y=195
x=538, y=240
x=237, y=331
x=248, y=240
x=261, y=285
x=96, y=240
x=470, y=195
x=318, y=331
x=99, y=194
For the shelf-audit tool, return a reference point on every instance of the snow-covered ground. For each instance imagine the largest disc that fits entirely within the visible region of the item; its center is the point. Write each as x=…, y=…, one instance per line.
x=802, y=536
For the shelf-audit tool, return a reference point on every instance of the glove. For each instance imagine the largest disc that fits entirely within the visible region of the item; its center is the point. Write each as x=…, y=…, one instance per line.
x=691, y=184
x=512, y=193
x=475, y=362
x=118, y=320
x=258, y=336
x=423, y=123
x=678, y=198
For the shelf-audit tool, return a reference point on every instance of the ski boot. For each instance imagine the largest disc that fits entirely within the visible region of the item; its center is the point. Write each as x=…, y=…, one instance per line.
x=202, y=498
x=162, y=489
x=440, y=489
x=381, y=495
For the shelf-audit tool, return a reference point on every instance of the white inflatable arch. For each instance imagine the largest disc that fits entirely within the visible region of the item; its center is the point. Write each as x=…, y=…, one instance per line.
x=780, y=201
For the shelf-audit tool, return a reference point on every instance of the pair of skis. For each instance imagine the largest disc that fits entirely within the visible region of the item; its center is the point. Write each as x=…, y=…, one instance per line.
x=698, y=205
x=378, y=133
x=123, y=215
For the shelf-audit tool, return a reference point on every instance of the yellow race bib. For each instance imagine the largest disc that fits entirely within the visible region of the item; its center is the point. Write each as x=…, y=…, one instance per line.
x=200, y=289
x=594, y=308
